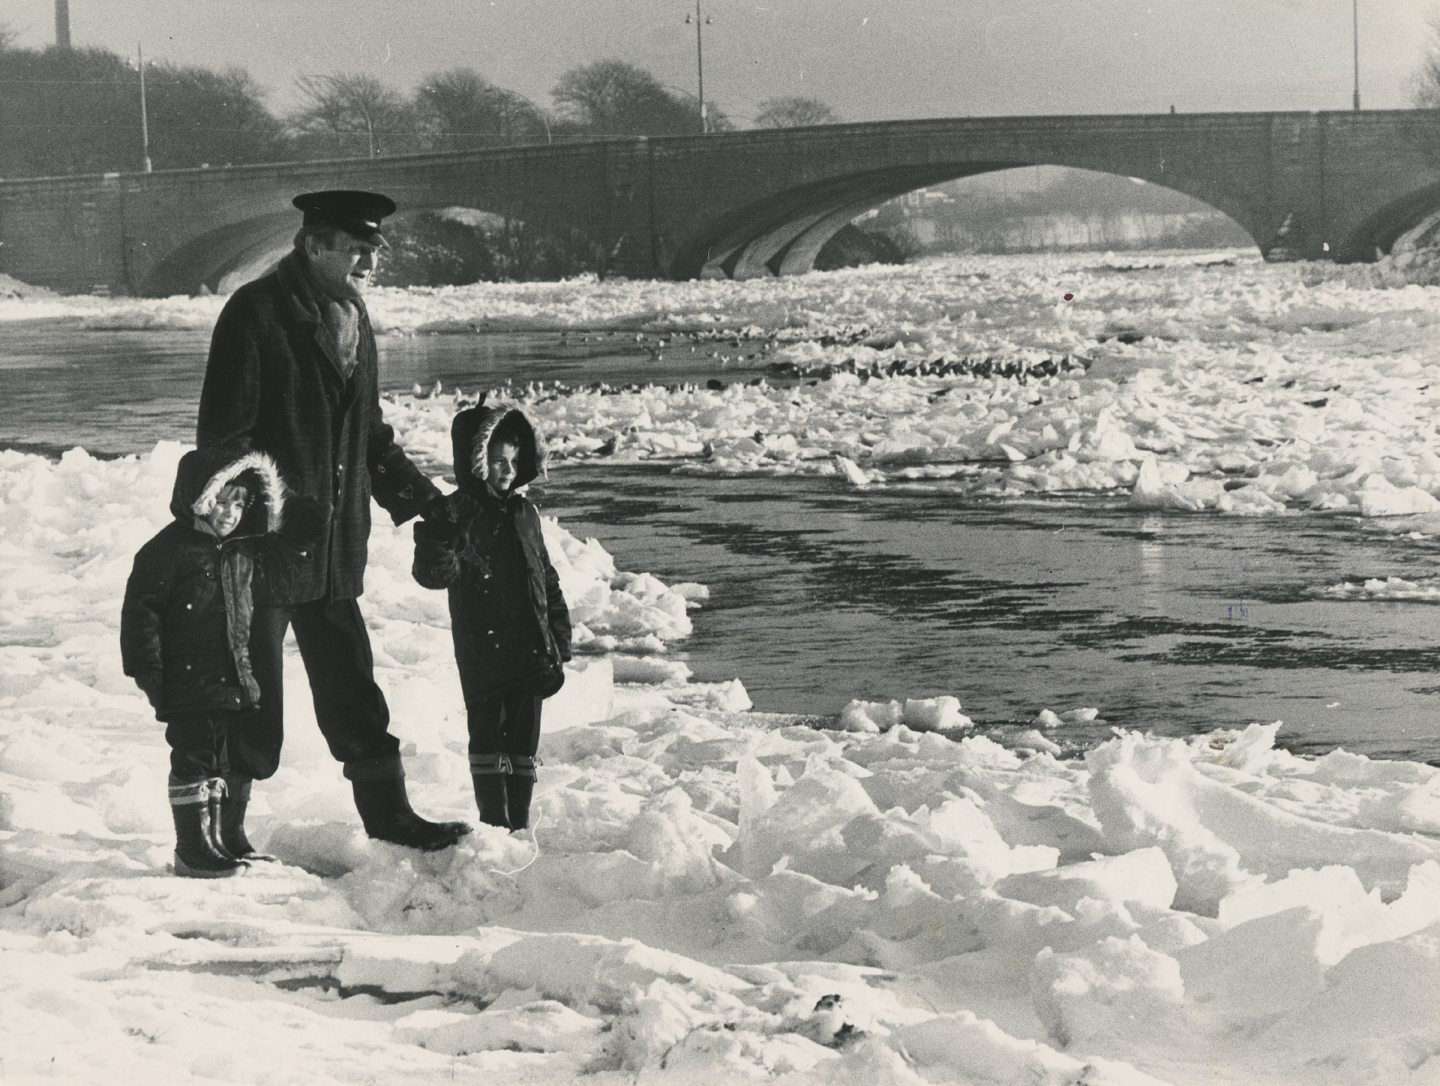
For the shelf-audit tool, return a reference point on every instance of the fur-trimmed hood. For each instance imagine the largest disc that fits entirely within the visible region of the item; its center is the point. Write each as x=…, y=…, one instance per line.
x=481, y=420
x=203, y=473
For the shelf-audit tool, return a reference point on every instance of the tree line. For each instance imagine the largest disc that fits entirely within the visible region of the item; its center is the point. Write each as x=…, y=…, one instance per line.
x=78, y=111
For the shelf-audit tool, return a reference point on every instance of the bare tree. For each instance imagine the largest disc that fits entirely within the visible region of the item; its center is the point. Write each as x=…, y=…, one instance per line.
x=461, y=109
x=1425, y=93
x=794, y=112
x=201, y=116
x=613, y=98
x=355, y=109
x=78, y=111
x=1426, y=80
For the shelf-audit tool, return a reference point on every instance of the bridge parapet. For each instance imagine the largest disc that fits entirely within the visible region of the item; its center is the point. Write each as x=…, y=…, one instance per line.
x=759, y=202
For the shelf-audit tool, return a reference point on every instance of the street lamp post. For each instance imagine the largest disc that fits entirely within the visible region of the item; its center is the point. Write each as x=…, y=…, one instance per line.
x=144, y=118
x=700, y=21
x=1355, y=37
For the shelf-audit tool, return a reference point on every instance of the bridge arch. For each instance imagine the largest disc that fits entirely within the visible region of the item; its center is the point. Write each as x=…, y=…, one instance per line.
x=1377, y=233
x=1296, y=184
x=218, y=260
x=783, y=233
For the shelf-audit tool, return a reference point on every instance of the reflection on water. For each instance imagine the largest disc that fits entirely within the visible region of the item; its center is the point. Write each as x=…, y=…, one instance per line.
x=119, y=393
x=1171, y=623
x=821, y=594
x=112, y=392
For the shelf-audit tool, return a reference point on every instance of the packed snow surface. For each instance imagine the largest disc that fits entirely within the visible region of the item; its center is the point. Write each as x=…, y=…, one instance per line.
x=711, y=894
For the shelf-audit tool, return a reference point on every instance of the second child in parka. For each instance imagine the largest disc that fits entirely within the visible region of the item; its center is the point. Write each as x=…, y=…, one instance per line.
x=508, y=617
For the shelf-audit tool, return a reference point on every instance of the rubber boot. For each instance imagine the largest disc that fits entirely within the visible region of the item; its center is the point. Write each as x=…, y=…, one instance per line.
x=491, y=776
x=386, y=812
x=214, y=805
x=196, y=854
x=233, y=805
x=521, y=789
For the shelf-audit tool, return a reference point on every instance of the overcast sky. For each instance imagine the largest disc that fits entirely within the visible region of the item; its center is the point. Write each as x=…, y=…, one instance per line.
x=869, y=59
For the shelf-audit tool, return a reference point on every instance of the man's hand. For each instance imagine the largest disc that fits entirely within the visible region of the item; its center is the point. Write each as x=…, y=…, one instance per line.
x=430, y=532
x=438, y=514
x=444, y=518
x=152, y=683
x=303, y=526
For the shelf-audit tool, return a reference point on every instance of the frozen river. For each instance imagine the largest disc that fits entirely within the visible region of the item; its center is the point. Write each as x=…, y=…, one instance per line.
x=1169, y=623
x=821, y=593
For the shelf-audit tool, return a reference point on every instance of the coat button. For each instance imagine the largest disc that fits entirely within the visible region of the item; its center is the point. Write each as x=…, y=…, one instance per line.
x=189, y=607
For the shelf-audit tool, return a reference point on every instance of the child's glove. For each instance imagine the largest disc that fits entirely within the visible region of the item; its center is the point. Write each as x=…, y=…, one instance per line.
x=550, y=680
x=436, y=563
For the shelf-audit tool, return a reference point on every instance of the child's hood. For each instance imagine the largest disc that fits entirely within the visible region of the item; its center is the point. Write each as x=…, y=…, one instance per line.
x=203, y=473
x=478, y=420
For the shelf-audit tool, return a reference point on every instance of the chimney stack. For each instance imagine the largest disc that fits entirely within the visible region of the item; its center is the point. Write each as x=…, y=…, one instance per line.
x=62, y=24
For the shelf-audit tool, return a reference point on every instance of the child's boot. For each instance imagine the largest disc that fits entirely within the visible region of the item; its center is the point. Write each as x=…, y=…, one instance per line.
x=196, y=853
x=521, y=787
x=233, y=805
x=490, y=773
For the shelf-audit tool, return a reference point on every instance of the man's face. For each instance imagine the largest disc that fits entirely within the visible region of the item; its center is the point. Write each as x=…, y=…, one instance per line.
x=345, y=268
x=229, y=508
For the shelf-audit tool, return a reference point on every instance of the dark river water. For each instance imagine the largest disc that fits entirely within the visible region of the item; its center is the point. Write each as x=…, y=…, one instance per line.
x=820, y=594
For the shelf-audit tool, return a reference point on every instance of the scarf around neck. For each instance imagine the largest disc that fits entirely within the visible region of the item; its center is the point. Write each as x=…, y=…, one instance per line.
x=339, y=317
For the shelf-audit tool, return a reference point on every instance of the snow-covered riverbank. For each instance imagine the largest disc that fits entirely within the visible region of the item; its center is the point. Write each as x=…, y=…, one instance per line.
x=709, y=893
x=713, y=894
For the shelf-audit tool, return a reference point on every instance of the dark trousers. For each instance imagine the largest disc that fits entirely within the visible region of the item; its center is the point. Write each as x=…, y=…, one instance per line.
x=335, y=648
x=215, y=744
x=508, y=723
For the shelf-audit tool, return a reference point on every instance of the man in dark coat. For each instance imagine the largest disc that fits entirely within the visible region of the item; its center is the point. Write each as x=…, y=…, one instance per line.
x=293, y=372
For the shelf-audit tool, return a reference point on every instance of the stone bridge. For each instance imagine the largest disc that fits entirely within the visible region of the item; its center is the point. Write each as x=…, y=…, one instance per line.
x=1303, y=185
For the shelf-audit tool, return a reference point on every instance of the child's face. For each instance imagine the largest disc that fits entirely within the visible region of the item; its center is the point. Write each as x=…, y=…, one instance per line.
x=229, y=508
x=500, y=464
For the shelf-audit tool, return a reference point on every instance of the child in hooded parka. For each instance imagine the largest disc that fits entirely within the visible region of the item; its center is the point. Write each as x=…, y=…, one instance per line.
x=184, y=639
x=508, y=617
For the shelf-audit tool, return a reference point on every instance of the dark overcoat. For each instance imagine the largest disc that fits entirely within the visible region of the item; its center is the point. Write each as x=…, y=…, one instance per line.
x=185, y=622
x=508, y=617
x=274, y=382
